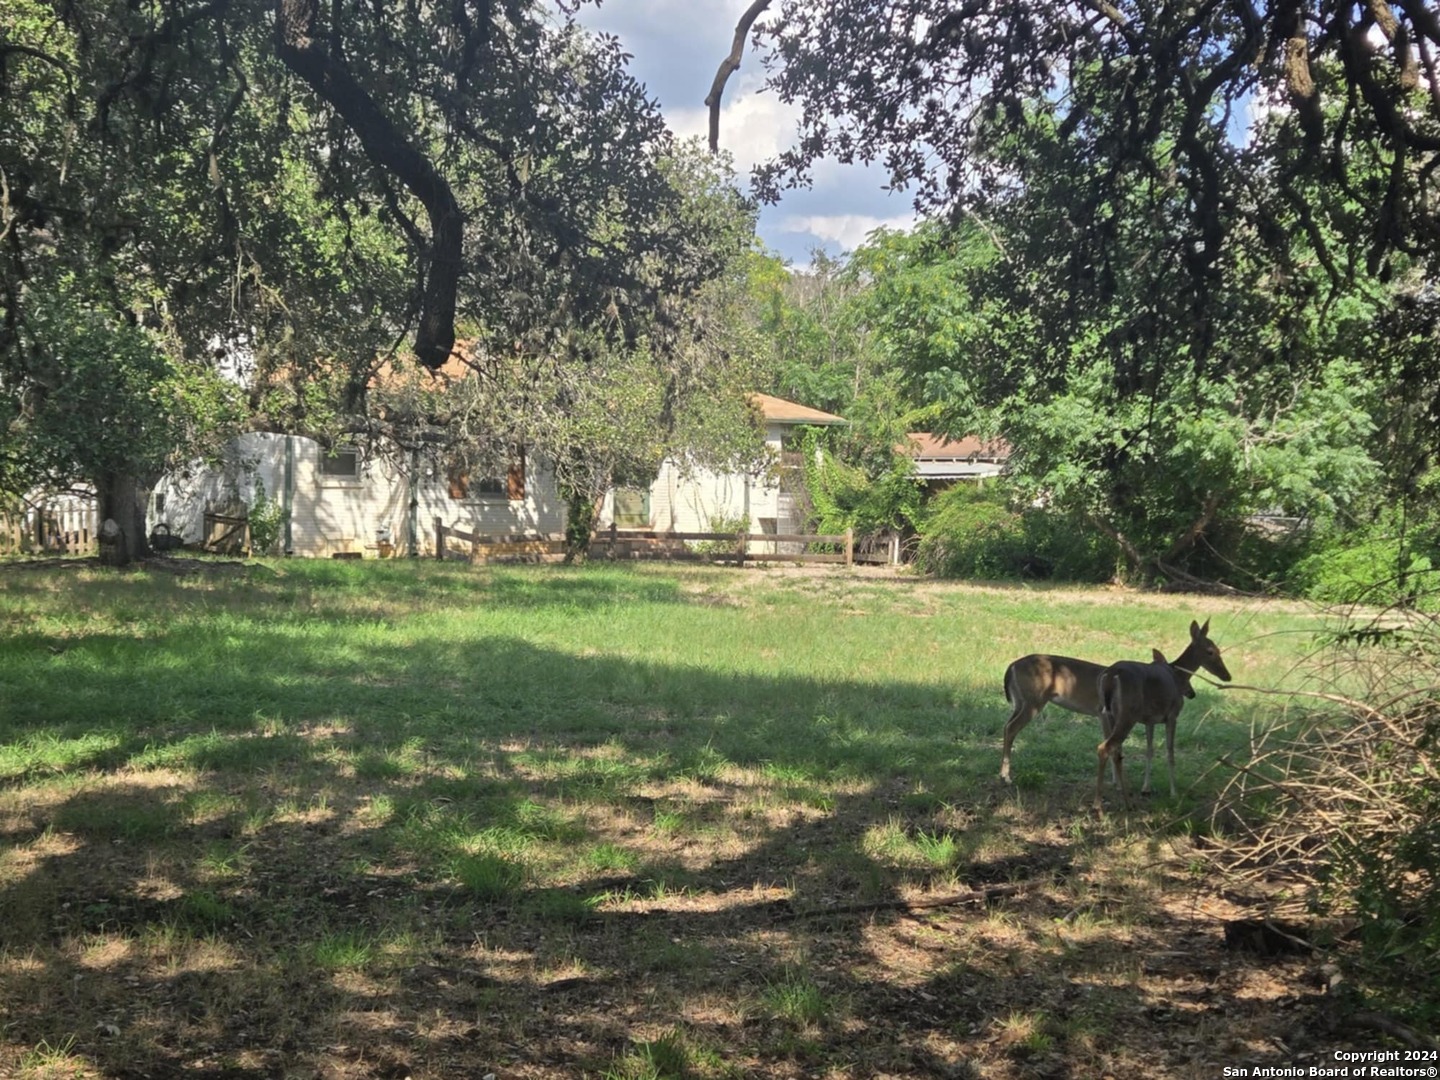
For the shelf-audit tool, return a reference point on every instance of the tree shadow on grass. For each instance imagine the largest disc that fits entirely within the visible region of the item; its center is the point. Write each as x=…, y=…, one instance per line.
x=256, y=872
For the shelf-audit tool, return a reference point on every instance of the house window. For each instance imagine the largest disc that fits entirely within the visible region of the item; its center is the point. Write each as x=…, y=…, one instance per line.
x=342, y=463
x=632, y=508
x=510, y=486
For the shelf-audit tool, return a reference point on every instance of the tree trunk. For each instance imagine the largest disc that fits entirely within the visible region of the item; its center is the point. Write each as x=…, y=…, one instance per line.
x=123, y=498
x=581, y=511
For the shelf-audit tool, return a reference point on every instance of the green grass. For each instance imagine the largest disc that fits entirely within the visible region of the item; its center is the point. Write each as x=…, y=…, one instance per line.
x=583, y=800
x=796, y=998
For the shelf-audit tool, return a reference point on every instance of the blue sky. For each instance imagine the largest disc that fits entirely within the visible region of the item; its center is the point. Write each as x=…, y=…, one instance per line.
x=677, y=46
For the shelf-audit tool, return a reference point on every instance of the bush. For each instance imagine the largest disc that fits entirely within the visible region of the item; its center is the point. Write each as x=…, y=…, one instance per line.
x=1060, y=548
x=847, y=497
x=267, y=521
x=1342, y=816
x=973, y=533
x=719, y=523
x=1364, y=568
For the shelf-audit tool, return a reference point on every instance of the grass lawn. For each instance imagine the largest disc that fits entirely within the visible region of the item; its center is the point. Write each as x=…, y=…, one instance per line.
x=323, y=819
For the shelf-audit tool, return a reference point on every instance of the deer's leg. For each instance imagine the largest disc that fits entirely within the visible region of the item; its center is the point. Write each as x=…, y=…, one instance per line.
x=1103, y=753
x=1023, y=712
x=1149, y=757
x=1117, y=756
x=1107, y=725
x=1110, y=750
x=1170, y=750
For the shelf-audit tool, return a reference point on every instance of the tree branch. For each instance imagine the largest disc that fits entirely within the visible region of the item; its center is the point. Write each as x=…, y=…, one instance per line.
x=387, y=148
x=729, y=66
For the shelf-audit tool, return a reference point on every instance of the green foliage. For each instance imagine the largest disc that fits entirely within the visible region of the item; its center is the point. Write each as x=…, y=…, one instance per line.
x=267, y=521
x=846, y=497
x=971, y=533
x=1397, y=897
x=974, y=532
x=721, y=523
x=113, y=400
x=1374, y=566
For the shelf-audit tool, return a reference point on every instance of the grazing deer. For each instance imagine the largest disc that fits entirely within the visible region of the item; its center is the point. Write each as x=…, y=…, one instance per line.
x=1034, y=681
x=1134, y=693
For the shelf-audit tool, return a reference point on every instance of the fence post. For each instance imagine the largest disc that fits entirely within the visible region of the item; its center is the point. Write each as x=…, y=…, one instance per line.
x=850, y=547
x=614, y=529
x=742, y=543
x=439, y=539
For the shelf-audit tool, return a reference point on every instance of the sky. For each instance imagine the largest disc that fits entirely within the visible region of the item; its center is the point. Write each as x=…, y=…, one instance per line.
x=677, y=46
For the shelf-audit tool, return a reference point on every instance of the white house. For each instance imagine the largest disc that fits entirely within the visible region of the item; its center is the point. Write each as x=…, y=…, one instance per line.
x=341, y=504
x=699, y=500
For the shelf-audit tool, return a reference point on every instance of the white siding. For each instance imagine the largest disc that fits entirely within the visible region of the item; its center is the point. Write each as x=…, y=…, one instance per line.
x=693, y=501
x=331, y=514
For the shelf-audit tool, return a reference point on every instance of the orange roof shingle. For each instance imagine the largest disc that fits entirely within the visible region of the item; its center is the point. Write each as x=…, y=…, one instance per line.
x=924, y=445
x=779, y=411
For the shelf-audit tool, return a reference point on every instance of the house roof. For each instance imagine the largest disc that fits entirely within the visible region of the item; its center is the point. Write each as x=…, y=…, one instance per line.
x=923, y=446
x=779, y=411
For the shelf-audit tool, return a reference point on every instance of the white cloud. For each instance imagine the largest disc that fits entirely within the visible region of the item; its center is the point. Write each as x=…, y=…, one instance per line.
x=846, y=230
x=754, y=127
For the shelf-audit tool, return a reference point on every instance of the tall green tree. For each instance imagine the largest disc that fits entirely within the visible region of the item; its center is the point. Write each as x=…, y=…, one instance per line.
x=1141, y=114
x=300, y=188
x=603, y=408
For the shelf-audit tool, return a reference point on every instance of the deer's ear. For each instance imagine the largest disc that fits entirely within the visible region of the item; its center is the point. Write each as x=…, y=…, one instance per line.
x=1158, y=657
x=1196, y=629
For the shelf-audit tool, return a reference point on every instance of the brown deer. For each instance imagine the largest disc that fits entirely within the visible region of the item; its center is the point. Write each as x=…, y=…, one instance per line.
x=1034, y=681
x=1134, y=693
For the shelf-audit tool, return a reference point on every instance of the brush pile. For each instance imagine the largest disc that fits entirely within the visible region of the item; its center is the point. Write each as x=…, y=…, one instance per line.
x=1338, y=814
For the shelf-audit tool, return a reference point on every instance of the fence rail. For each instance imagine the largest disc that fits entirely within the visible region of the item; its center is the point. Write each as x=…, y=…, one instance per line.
x=648, y=543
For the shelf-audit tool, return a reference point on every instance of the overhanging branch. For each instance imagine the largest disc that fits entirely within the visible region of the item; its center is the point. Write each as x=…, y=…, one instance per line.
x=387, y=147
x=729, y=66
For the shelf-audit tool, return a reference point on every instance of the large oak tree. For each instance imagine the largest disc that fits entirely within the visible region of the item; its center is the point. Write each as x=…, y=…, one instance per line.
x=291, y=186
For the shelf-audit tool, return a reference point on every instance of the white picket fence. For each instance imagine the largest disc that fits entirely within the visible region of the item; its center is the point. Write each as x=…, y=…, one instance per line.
x=62, y=525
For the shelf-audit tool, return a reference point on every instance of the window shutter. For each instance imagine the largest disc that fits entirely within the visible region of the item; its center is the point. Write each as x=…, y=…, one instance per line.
x=515, y=478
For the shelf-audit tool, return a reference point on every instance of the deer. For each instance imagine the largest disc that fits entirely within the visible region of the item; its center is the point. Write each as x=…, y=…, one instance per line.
x=1034, y=681
x=1132, y=692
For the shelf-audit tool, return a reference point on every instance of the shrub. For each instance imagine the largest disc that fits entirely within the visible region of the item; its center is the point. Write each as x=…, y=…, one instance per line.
x=1364, y=568
x=1055, y=546
x=1343, y=815
x=267, y=521
x=973, y=533
x=846, y=496
x=719, y=523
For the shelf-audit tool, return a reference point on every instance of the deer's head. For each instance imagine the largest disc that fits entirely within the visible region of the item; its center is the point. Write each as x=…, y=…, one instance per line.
x=1204, y=653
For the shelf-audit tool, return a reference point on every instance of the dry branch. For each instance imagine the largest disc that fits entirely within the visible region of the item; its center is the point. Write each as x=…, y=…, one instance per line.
x=729, y=66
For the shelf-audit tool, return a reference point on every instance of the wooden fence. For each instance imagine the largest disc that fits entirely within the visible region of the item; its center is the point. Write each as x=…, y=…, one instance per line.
x=619, y=543
x=226, y=533
x=64, y=527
